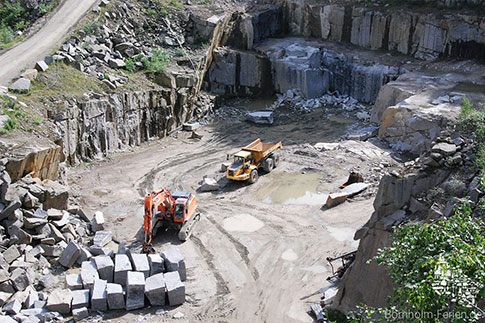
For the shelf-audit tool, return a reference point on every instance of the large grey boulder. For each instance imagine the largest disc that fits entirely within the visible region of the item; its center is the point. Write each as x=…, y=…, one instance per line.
x=59, y=300
x=135, y=290
x=209, y=184
x=116, y=300
x=105, y=267
x=69, y=255
x=22, y=85
x=175, y=288
x=122, y=267
x=174, y=261
x=261, y=117
x=155, y=289
x=99, y=295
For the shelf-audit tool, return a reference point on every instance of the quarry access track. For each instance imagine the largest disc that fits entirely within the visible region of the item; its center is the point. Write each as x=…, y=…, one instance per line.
x=258, y=253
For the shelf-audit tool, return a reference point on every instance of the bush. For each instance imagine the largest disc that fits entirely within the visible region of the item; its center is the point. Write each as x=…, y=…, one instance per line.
x=130, y=65
x=11, y=13
x=6, y=34
x=438, y=267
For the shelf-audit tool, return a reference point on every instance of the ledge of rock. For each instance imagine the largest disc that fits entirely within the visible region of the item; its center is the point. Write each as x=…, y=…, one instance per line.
x=32, y=155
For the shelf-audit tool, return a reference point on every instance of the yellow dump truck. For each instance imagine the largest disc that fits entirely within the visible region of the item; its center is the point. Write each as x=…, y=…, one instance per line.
x=252, y=157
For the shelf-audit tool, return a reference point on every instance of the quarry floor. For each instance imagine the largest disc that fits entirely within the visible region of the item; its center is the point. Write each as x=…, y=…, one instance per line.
x=258, y=253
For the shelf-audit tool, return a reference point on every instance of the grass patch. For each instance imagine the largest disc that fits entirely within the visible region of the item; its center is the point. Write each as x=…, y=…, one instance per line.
x=57, y=81
x=130, y=65
x=157, y=62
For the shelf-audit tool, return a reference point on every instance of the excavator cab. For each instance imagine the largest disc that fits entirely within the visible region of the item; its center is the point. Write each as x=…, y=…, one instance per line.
x=180, y=210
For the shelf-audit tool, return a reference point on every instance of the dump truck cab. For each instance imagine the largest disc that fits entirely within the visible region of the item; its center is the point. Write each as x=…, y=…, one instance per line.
x=249, y=159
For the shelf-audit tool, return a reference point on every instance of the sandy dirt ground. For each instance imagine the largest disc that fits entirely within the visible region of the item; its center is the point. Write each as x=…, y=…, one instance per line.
x=258, y=253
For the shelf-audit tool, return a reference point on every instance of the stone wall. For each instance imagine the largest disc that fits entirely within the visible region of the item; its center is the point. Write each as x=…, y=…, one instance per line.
x=423, y=36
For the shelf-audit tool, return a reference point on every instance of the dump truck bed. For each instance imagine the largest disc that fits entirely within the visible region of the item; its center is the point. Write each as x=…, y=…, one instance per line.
x=261, y=149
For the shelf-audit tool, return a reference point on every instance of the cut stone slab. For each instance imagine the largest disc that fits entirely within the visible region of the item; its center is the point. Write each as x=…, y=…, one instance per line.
x=209, y=184
x=11, y=254
x=74, y=281
x=13, y=307
x=102, y=238
x=174, y=261
x=175, y=288
x=80, y=313
x=20, y=279
x=444, y=149
x=84, y=255
x=89, y=272
x=4, y=297
x=135, y=290
x=53, y=251
x=116, y=300
x=101, y=251
x=99, y=296
x=156, y=264
x=21, y=85
x=122, y=267
x=54, y=214
x=105, y=267
x=10, y=209
x=97, y=224
x=140, y=263
x=32, y=223
x=31, y=299
x=354, y=189
x=41, y=66
x=62, y=221
x=80, y=298
x=47, y=281
x=69, y=255
x=336, y=199
x=191, y=126
x=7, y=319
x=59, y=300
x=155, y=289
x=261, y=117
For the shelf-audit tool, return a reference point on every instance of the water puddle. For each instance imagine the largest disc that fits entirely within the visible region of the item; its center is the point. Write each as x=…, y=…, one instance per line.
x=292, y=189
x=289, y=255
x=341, y=234
x=242, y=223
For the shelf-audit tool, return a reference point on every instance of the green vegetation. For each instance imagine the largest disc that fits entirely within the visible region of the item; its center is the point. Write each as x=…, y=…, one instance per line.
x=91, y=27
x=179, y=52
x=157, y=62
x=205, y=1
x=130, y=65
x=472, y=122
x=12, y=111
x=14, y=17
x=151, y=12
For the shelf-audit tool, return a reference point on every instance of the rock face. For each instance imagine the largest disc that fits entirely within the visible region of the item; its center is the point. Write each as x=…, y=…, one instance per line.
x=239, y=73
x=36, y=156
x=393, y=195
x=420, y=35
x=296, y=63
x=410, y=114
x=101, y=126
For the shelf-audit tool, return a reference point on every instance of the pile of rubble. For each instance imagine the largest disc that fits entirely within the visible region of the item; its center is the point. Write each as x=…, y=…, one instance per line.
x=41, y=236
x=294, y=98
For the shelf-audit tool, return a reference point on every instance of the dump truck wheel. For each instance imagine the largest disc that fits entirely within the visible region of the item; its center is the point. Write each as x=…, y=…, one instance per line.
x=253, y=177
x=276, y=160
x=268, y=165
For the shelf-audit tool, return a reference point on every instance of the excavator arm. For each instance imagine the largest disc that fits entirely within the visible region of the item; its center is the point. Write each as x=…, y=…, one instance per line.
x=157, y=205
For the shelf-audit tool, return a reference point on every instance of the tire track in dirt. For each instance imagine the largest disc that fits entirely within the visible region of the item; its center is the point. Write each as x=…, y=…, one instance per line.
x=222, y=288
x=240, y=248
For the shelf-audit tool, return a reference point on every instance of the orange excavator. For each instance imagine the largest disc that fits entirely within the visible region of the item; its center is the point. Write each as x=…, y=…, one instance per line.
x=164, y=208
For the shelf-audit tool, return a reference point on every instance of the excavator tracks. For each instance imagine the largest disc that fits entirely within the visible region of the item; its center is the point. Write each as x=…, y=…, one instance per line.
x=186, y=230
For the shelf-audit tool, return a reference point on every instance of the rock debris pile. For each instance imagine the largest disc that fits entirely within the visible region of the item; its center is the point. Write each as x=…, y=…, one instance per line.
x=41, y=236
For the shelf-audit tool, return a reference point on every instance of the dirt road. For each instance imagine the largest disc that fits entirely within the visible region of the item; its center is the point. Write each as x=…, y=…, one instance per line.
x=36, y=47
x=258, y=253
